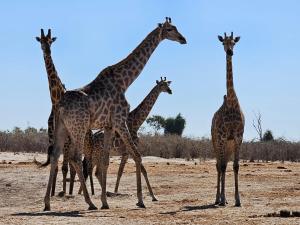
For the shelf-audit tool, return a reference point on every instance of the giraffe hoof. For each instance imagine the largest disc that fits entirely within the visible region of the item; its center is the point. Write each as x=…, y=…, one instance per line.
x=237, y=204
x=105, y=207
x=92, y=207
x=47, y=208
x=222, y=204
x=154, y=199
x=61, y=194
x=141, y=205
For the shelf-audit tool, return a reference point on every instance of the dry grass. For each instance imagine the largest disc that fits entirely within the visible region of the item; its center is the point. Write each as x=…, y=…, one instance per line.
x=170, y=146
x=185, y=190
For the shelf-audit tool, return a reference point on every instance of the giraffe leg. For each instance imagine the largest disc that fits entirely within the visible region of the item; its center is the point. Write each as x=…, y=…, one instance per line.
x=90, y=173
x=77, y=164
x=72, y=178
x=223, y=172
x=218, y=183
x=60, y=136
x=98, y=174
x=236, y=172
x=104, y=162
x=92, y=182
x=126, y=138
x=87, y=172
x=54, y=163
x=121, y=170
x=64, y=170
x=54, y=181
x=144, y=172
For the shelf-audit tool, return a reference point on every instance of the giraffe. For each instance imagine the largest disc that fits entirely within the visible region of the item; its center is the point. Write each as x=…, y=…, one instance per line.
x=227, y=127
x=102, y=105
x=134, y=121
x=57, y=89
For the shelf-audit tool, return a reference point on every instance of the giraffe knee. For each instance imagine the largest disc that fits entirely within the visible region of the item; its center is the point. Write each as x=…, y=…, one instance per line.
x=64, y=168
x=223, y=167
x=236, y=167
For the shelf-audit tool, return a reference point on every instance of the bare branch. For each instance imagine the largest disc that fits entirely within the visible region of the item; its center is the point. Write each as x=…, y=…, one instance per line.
x=257, y=124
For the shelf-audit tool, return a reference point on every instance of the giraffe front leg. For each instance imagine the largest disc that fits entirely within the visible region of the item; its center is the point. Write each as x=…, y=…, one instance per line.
x=64, y=170
x=104, y=162
x=90, y=174
x=223, y=173
x=72, y=178
x=53, y=168
x=54, y=181
x=121, y=169
x=236, y=174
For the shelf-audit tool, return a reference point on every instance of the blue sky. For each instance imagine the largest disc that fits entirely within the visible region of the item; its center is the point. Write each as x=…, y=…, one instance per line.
x=94, y=34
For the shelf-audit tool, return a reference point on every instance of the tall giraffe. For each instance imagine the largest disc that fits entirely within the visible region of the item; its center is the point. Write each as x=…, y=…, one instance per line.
x=57, y=89
x=134, y=121
x=228, y=127
x=102, y=105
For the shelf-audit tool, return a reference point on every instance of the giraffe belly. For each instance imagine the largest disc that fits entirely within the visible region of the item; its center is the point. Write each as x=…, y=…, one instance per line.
x=230, y=146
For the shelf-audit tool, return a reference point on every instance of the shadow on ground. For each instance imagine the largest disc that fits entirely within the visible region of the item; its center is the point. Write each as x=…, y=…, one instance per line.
x=191, y=208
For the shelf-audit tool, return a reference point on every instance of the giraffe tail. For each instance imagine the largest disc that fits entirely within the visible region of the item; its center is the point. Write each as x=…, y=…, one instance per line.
x=50, y=150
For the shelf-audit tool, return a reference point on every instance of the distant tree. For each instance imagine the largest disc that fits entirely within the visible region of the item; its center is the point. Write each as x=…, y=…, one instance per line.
x=31, y=130
x=17, y=130
x=43, y=130
x=175, y=125
x=157, y=122
x=268, y=136
x=257, y=124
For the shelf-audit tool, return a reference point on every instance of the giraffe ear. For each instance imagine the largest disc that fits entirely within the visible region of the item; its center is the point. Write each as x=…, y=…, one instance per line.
x=237, y=39
x=53, y=39
x=160, y=25
x=220, y=38
x=169, y=82
x=38, y=39
x=157, y=82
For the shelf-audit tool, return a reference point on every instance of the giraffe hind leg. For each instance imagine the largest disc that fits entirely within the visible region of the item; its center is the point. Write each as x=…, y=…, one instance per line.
x=124, y=133
x=218, y=200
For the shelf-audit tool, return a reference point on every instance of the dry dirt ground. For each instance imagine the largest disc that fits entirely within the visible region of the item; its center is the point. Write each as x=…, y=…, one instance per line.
x=185, y=190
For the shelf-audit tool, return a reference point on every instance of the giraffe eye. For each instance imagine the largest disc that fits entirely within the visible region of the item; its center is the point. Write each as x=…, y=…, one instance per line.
x=169, y=29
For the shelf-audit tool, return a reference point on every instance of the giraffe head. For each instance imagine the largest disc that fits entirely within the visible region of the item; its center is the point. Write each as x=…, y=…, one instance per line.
x=164, y=85
x=228, y=43
x=169, y=31
x=46, y=41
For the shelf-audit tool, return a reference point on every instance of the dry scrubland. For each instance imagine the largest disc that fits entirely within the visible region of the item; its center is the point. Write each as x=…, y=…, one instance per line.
x=185, y=189
x=170, y=146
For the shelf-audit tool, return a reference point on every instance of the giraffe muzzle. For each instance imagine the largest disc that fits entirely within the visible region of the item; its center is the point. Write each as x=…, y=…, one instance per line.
x=229, y=52
x=182, y=40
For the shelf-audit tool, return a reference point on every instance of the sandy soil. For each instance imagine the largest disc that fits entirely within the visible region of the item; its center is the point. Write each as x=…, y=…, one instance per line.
x=185, y=190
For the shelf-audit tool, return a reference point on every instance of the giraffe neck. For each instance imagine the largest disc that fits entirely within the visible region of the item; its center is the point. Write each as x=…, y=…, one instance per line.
x=55, y=85
x=139, y=114
x=123, y=74
x=231, y=96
